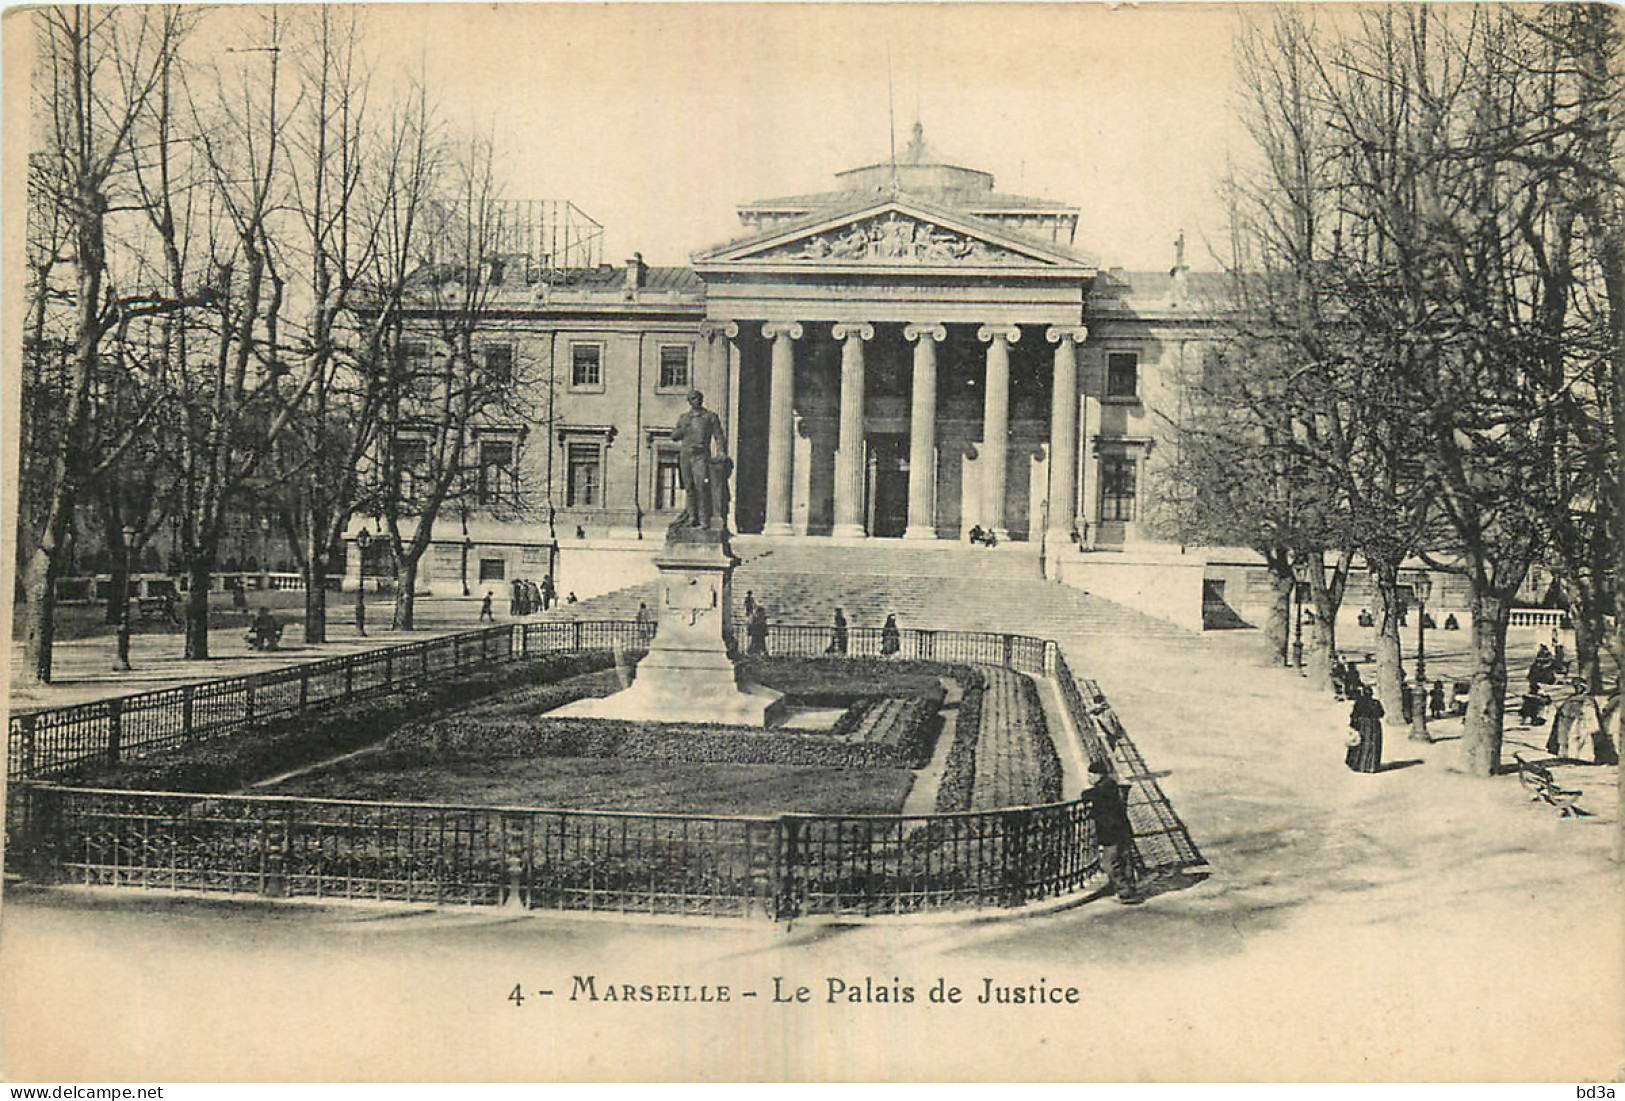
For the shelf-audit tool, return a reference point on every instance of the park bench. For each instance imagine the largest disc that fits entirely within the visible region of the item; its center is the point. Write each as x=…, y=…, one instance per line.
x=1542, y=787
x=156, y=607
x=263, y=638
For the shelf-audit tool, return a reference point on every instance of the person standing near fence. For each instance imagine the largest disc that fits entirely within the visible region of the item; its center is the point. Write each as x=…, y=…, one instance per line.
x=550, y=595
x=837, y=635
x=756, y=632
x=890, y=637
x=1108, y=805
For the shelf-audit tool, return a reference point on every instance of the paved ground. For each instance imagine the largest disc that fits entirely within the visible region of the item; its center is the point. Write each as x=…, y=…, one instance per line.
x=1412, y=924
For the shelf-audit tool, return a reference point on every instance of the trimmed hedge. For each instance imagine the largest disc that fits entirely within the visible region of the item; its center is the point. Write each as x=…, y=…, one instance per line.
x=959, y=770
x=908, y=726
x=837, y=682
x=1049, y=762
x=474, y=737
x=234, y=761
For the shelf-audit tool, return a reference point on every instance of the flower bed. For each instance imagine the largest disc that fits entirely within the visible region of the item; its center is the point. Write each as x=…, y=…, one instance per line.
x=465, y=737
x=959, y=771
x=235, y=761
x=907, y=727
x=838, y=682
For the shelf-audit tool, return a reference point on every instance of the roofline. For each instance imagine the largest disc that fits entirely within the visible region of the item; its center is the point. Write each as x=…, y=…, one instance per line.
x=709, y=258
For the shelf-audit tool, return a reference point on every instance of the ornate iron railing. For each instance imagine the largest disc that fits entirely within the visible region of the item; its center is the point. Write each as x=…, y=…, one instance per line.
x=780, y=868
x=47, y=742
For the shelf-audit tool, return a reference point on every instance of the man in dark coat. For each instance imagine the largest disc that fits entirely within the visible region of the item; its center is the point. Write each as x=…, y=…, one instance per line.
x=1108, y=801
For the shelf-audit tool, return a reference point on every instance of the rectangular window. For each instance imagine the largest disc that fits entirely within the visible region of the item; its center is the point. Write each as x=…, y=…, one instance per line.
x=1117, y=488
x=499, y=363
x=1123, y=374
x=499, y=478
x=668, y=482
x=493, y=569
x=586, y=366
x=674, y=367
x=583, y=488
x=411, y=461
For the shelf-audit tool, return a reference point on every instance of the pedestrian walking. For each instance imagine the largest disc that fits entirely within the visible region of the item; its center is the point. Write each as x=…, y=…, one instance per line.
x=750, y=605
x=646, y=623
x=486, y=614
x=1365, y=733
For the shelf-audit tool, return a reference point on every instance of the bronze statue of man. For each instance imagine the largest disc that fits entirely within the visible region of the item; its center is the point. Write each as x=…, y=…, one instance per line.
x=699, y=433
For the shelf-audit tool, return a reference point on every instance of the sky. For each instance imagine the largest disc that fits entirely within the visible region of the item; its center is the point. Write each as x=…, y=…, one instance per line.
x=658, y=120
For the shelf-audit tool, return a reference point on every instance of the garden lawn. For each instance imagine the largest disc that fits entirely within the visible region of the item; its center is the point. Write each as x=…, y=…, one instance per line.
x=605, y=784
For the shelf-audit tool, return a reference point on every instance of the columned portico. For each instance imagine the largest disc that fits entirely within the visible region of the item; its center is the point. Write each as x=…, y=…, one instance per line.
x=922, y=431
x=996, y=422
x=849, y=472
x=780, y=420
x=1063, y=435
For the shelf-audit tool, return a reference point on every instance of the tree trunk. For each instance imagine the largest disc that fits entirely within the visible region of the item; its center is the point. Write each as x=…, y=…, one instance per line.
x=1587, y=648
x=1481, y=743
x=198, y=572
x=315, y=571
x=1278, y=623
x=39, y=622
x=1322, y=641
x=406, y=584
x=1323, y=638
x=1385, y=581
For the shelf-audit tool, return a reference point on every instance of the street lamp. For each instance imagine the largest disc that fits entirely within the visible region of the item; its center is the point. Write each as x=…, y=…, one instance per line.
x=1297, y=625
x=362, y=542
x=124, y=616
x=1422, y=586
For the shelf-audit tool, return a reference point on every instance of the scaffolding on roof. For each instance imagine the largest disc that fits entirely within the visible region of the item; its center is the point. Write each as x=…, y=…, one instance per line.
x=553, y=236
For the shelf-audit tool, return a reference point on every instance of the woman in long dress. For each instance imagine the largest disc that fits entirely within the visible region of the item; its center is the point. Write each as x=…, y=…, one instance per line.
x=1365, y=741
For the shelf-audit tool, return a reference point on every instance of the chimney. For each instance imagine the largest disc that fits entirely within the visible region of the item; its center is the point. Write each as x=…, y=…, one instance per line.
x=636, y=271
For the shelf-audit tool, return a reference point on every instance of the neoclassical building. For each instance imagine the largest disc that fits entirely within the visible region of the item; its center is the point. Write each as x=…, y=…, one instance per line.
x=910, y=355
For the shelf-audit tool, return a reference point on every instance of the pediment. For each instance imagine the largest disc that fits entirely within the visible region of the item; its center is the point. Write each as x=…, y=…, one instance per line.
x=892, y=234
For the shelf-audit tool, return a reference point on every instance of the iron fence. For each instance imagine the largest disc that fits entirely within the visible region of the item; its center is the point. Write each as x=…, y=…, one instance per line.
x=1021, y=652
x=279, y=846
x=780, y=868
x=47, y=742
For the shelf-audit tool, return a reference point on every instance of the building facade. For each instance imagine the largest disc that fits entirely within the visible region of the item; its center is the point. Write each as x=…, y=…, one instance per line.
x=911, y=355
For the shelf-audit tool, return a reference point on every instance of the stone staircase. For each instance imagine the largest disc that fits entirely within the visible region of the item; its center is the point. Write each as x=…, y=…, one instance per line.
x=945, y=586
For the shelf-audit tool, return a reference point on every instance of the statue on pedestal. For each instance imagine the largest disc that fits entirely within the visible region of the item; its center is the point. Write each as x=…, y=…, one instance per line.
x=703, y=465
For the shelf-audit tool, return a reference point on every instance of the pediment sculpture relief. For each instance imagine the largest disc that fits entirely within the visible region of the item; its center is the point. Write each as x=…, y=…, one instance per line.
x=892, y=239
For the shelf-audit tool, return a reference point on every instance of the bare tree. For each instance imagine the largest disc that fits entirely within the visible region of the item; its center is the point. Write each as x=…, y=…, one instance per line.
x=97, y=72
x=444, y=388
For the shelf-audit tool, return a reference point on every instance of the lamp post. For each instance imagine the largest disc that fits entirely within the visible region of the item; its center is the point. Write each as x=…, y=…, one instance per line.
x=1297, y=626
x=1422, y=586
x=362, y=542
x=124, y=616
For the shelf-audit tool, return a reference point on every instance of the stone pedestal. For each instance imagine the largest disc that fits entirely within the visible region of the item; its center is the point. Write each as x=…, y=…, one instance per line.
x=688, y=674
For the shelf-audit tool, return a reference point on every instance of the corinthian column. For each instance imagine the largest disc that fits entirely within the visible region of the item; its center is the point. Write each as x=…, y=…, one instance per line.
x=849, y=453
x=780, y=412
x=996, y=421
x=1063, y=435
x=922, y=432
